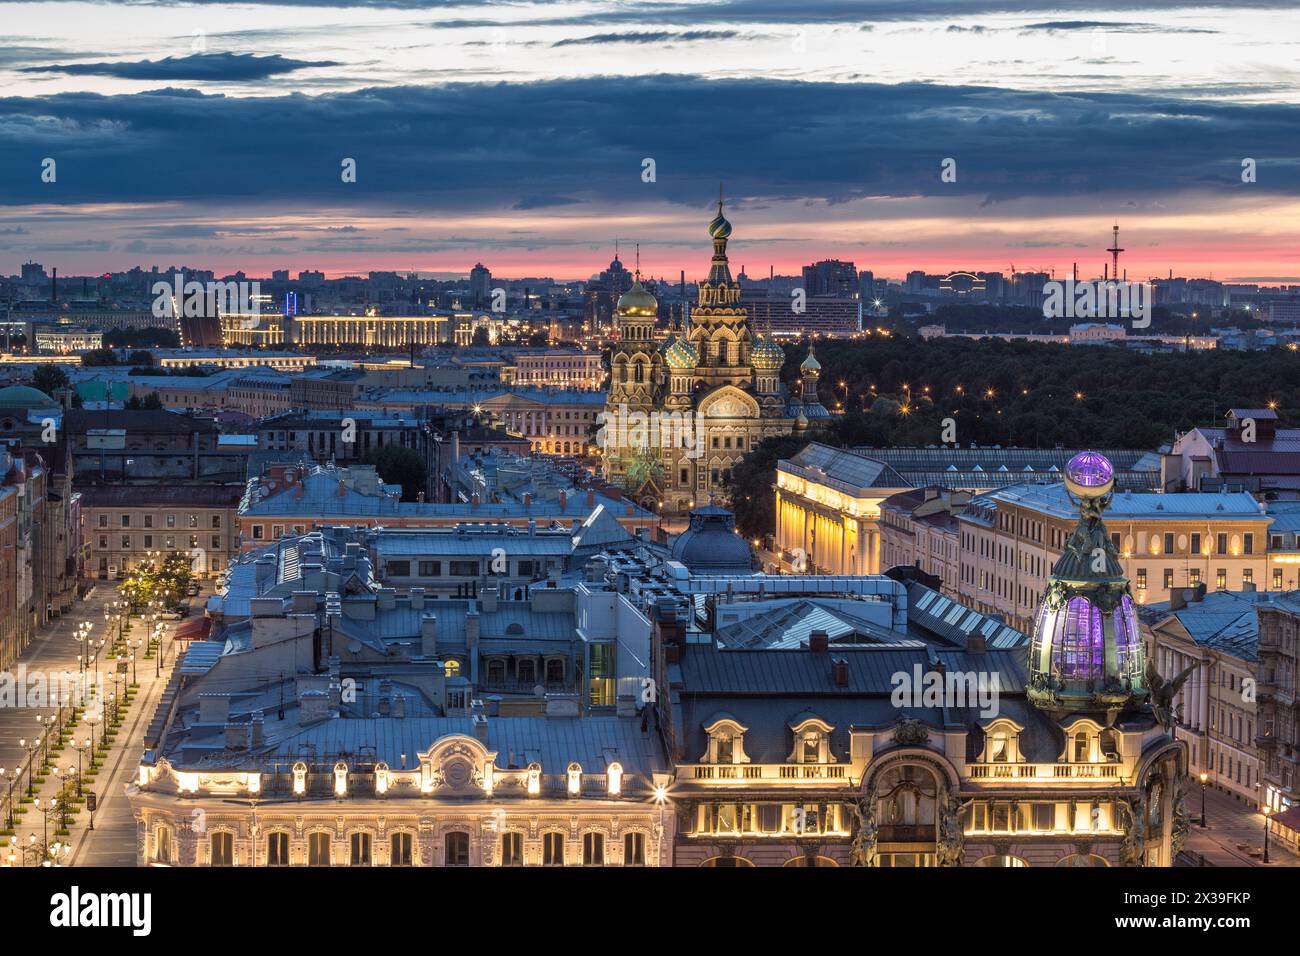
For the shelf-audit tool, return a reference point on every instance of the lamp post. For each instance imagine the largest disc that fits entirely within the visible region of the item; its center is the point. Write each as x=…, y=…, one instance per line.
x=1267, y=811
x=46, y=808
x=9, y=825
x=12, y=855
x=30, y=747
x=81, y=750
x=1204, y=777
x=135, y=646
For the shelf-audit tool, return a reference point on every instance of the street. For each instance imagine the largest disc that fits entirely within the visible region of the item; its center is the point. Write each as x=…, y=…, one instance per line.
x=1235, y=832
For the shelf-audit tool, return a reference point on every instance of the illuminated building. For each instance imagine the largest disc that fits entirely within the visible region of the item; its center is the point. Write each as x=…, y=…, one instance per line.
x=680, y=414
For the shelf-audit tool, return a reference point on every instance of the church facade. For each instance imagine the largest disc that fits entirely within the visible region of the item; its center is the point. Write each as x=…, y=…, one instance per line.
x=682, y=412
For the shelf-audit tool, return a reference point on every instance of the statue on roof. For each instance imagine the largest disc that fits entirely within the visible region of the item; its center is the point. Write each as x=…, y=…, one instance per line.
x=1164, y=691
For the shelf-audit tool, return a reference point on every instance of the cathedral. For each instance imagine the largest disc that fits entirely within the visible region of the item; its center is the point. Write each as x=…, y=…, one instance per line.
x=681, y=413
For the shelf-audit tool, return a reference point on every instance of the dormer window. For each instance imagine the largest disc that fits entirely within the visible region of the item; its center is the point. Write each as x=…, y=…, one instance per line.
x=1085, y=741
x=1002, y=742
x=726, y=741
x=812, y=740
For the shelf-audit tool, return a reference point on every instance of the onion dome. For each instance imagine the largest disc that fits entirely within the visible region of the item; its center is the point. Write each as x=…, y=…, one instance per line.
x=719, y=227
x=636, y=301
x=766, y=355
x=1087, y=651
x=810, y=364
x=801, y=421
x=680, y=354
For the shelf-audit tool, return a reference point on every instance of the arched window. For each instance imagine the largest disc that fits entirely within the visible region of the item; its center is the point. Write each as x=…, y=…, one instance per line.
x=318, y=849
x=1082, y=859
x=1001, y=860
x=736, y=861
x=360, y=849
x=400, y=850
x=552, y=849
x=593, y=849
x=223, y=849
x=162, y=844
x=456, y=849
x=277, y=849
x=810, y=861
x=634, y=849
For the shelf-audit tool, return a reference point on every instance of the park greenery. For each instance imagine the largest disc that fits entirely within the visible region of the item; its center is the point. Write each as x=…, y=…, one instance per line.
x=165, y=582
x=897, y=391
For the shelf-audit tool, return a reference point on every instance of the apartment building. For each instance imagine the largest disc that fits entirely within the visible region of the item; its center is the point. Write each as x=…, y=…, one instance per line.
x=122, y=524
x=1010, y=537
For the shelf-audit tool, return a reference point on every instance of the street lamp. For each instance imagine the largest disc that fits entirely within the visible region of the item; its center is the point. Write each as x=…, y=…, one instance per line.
x=17, y=770
x=1267, y=811
x=46, y=808
x=81, y=750
x=31, y=748
x=1204, y=777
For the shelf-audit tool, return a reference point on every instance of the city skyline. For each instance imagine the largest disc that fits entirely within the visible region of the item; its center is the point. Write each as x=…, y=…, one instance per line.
x=519, y=134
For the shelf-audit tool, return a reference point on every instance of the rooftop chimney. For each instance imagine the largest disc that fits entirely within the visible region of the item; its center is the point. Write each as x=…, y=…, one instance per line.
x=591, y=498
x=818, y=641
x=564, y=500
x=429, y=634
x=258, y=730
x=236, y=736
x=840, y=672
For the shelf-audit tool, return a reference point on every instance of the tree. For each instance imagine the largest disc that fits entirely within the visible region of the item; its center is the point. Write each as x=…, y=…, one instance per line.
x=400, y=466
x=99, y=357
x=49, y=378
x=140, y=357
x=481, y=336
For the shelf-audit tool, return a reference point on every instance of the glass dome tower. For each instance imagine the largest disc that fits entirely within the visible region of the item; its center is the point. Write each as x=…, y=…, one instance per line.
x=1087, y=653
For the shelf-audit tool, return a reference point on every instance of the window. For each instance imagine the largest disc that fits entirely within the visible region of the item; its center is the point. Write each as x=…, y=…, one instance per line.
x=554, y=671
x=162, y=845
x=456, y=849
x=216, y=522
x=1169, y=578
x=462, y=569
x=318, y=849
x=634, y=849
x=216, y=543
x=126, y=521
x=399, y=569
x=1247, y=576
x=148, y=541
x=593, y=849
x=103, y=521
x=1248, y=544
x=1169, y=542
x=1221, y=543
x=126, y=542
x=1221, y=579
x=1044, y=816
x=103, y=542
x=148, y=521
x=360, y=855
x=400, y=846
x=277, y=849
x=601, y=684
x=194, y=521
x=223, y=849
x=430, y=569
x=1277, y=579
x=257, y=532
x=1141, y=579
x=512, y=849
x=552, y=849
x=171, y=521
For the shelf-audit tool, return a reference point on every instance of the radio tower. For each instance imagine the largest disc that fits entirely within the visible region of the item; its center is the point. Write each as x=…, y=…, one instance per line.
x=1114, y=251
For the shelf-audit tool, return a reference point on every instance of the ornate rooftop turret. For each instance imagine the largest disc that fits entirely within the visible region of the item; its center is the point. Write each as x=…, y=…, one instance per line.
x=1086, y=653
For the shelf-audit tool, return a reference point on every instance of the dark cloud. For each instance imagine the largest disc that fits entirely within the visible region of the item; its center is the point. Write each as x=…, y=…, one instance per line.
x=655, y=36
x=1109, y=26
x=230, y=67
x=489, y=146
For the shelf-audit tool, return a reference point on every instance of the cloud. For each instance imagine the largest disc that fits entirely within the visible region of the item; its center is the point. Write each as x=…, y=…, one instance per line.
x=475, y=146
x=1109, y=26
x=656, y=36
x=230, y=67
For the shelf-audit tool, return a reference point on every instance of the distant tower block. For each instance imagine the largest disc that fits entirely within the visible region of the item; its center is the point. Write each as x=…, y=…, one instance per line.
x=1114, y=251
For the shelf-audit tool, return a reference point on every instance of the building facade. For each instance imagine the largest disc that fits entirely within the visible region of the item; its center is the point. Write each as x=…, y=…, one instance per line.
x=680, y=414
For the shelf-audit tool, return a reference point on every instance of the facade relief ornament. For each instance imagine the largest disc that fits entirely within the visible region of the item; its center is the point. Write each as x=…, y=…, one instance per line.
x=911, y=732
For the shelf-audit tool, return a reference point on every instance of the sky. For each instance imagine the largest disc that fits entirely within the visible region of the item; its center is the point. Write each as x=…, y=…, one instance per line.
x=532, y=136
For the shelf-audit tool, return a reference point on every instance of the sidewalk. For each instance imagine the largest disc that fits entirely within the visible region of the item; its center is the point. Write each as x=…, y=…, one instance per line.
x=54, y=652
x=1235, y=835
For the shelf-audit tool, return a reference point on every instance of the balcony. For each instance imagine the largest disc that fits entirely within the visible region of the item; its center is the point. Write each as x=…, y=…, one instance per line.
x=1045, y=771
x=819, y=773
x=905, y=834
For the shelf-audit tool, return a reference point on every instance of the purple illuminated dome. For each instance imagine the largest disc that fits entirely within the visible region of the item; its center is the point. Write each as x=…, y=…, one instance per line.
x=1089, y=474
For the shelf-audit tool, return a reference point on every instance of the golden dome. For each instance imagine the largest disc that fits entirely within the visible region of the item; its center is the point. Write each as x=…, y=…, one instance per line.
x=636, y=301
